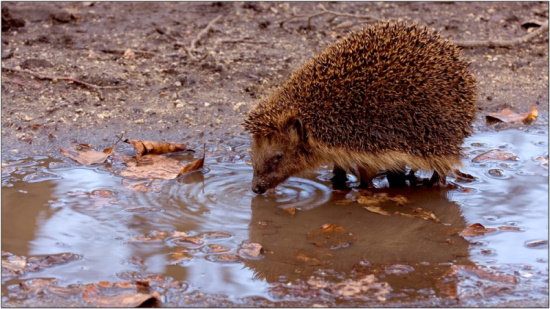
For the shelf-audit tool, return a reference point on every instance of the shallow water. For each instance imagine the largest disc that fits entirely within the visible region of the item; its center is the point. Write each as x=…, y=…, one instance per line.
x=119, y=226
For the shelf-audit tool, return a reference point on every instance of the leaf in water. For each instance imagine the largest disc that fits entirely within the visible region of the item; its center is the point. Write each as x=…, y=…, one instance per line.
x=509, y=228
x=311, y=261
x=193, y=166
x=290, y=210
x=154, y=236
x=189, y=241
x=161, y=168
x=123, y=300
x=152, y=147
x=85, y=155
x=476, y=229
x=509, y=116
x=212, y=248
x=179, y=257
x=377, y=210
x=332, y=236
x=250, y=250
x=223, y=258
x=419, y=213
x=495, y=154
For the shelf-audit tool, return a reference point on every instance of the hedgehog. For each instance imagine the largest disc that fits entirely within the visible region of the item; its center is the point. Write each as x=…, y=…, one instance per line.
x=389, y=98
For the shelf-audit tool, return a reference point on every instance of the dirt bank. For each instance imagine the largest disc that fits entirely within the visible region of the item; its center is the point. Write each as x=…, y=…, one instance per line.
x=167, y=79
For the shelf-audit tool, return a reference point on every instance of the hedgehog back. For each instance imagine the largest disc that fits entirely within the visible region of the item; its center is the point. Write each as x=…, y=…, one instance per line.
x=389, y=87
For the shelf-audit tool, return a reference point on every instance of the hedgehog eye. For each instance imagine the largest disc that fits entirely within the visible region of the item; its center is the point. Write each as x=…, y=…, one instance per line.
x=279, y=156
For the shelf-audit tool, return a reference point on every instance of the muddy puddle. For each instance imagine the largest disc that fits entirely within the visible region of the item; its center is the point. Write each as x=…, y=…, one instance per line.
x=209, y=240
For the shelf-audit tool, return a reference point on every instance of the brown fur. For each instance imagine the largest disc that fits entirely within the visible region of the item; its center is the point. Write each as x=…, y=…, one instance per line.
x=386, y=97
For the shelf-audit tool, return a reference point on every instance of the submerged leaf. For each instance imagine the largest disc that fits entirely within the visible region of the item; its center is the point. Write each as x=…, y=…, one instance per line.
x=161, y=168
x=85, y=155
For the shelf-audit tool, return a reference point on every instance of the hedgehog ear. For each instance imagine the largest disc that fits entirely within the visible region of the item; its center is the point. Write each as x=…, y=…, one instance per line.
x=296, y=130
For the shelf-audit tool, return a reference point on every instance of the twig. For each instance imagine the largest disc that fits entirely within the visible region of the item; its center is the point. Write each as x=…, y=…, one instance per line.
x=323, y=12
x=123, y=51
x=243, y=40
x=505, y=43
x=69, y=79
x=202, y=33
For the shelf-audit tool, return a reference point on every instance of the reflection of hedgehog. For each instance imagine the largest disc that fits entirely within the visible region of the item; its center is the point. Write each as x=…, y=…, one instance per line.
x=383, y=98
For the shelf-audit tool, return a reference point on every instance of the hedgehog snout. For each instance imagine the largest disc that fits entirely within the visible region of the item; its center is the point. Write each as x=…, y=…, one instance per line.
x=258, y=189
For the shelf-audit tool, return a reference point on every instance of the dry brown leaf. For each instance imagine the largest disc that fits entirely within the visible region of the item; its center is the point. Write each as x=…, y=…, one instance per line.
x=162, y=168
x=476, y=229
x=85, y=155
x=193, y=166
x=509, y=116
x=152, y=147
x=495, y=154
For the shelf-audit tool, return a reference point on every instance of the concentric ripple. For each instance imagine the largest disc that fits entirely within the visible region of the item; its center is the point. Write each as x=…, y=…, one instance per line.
x=221, y=198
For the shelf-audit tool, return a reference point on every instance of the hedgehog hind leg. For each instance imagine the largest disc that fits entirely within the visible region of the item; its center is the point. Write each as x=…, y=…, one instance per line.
x=339, y=179
x=397, y=179
x=436, y=179
x=365, y=178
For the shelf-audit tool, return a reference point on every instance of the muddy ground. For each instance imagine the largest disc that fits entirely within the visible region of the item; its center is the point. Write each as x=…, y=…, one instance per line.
x=161, y=92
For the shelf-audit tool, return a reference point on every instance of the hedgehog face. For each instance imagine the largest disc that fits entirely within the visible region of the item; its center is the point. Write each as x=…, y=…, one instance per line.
x=278, y=156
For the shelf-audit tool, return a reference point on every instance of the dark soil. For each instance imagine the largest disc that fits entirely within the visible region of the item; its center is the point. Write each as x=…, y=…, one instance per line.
x=162, y=93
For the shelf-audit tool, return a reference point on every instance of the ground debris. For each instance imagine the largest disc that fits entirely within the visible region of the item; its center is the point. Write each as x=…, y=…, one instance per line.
x=14, y=266
x=468, y=281
x=366, y=287
x=193, y=166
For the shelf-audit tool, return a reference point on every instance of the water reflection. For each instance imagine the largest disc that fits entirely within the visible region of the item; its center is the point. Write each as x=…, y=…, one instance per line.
x=380, y=240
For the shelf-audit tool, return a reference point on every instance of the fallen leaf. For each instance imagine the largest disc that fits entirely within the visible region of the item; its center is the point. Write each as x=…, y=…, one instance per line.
x=331, y=236
x=509, y=116
x=123, y=300
x=85, y=155
x=223, y=258
x=152, y=147
x=377, y=210
x=162, y=168
x=290, y=210
x=250, y=250
x=193, y=166
x=509, y=228
x=212, y=248
x=495, y=154
x=537, y=244
x=476, y=229
x=419, y=213
x=311, y=261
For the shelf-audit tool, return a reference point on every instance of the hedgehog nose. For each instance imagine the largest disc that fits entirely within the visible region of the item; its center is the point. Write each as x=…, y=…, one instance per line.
x=257, y=189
